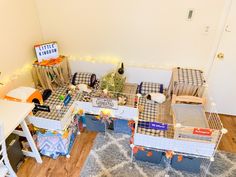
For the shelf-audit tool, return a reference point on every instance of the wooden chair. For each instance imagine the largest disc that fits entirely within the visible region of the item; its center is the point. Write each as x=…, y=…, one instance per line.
x=5, y=166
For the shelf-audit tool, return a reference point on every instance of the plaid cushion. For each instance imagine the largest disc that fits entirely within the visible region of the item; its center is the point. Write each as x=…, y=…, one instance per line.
x=150, y=87
x=190, y=76
x=84, y=78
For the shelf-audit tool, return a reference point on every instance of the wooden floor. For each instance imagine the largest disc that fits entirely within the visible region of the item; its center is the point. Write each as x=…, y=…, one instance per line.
x=228, y=142
x=63, y=167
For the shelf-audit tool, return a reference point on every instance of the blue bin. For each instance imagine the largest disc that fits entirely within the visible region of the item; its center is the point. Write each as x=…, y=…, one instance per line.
x=143, y=156
x=93, y=124
x=190, y=164
x=121, y=126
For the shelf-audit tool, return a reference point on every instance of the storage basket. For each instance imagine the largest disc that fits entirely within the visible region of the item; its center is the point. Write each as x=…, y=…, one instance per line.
x=121, y=126
x=147, y=155
x=94, y=124
x=187, y=163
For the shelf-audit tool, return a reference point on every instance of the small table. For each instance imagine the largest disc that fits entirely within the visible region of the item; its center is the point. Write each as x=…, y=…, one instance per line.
x=53, y=76
x=13, y=114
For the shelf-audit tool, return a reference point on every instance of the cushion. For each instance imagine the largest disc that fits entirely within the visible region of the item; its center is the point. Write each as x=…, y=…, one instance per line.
x=150, y=87
x=84, y=78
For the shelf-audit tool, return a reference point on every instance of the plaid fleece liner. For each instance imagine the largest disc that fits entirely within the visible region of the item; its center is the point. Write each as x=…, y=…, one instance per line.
x=150, y=87
x=53, y=101
x=149, y=114
x=190, y=76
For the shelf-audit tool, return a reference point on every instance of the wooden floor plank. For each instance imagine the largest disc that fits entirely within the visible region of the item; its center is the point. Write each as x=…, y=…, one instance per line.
x=83, y=143
x=61, y=166
x=228, y=141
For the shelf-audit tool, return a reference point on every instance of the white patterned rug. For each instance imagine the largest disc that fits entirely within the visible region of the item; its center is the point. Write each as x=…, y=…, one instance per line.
x=110, y=157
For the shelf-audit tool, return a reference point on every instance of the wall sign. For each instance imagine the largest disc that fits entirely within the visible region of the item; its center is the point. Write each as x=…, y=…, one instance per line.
x=39, y=107
x=46, y=51
x=105, y=103
x=202, y=131
x=153, y=125
x=67, y=100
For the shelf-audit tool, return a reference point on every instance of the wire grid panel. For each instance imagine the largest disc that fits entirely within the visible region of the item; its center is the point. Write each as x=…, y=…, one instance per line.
x=159, y=116
x=192, y=123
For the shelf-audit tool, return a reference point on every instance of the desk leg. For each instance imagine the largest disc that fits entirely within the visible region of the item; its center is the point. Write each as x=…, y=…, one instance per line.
x=31, y=142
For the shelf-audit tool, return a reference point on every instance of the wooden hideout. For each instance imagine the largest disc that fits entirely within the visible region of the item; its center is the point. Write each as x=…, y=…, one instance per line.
x=52, y=73
x=187, y=82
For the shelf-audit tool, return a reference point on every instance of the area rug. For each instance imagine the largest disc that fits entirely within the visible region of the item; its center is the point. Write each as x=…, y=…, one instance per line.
x=110, y=157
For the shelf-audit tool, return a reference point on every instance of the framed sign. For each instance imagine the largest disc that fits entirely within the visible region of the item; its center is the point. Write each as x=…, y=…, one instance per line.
x=153, y=125
x=67, y=100
x=202, y=131
x=105, y=103
x=39, y=107
x=46, y=51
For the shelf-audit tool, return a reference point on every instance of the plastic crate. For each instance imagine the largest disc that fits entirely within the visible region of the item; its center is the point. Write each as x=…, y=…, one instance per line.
x=190, y=164
x=93, y=124
x=121, y=126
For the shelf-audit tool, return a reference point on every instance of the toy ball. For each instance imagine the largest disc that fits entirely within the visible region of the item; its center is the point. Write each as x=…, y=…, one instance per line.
x=61, y=97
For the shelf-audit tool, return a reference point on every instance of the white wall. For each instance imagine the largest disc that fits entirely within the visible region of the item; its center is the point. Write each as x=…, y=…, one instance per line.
x=19, y=31
x=133, y=74
x=140, y=32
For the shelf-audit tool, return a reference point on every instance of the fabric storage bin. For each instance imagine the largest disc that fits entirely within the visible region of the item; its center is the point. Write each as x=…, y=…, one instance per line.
x=150, y=87
x=94, y=124
x=58, y=142
x=53, y=144
x=84, y=78
x=149, y=156
x=121, y=126
x=190, y=164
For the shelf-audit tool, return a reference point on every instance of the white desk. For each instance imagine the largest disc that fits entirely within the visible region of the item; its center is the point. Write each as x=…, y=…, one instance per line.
x=13, y=114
